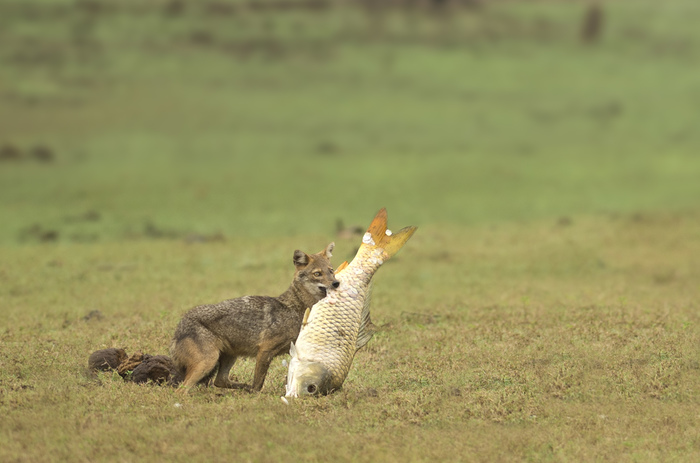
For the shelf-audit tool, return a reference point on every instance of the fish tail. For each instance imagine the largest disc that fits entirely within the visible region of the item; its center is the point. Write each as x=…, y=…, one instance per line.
x=378, y=235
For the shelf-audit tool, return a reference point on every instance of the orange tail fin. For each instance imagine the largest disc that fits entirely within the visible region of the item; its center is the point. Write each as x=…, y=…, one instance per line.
x=378, y=235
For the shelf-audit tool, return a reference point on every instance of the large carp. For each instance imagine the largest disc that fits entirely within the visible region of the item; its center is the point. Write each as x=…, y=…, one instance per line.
x=339, y=324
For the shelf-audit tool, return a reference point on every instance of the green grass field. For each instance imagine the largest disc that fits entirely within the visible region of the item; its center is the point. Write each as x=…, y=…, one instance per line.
x=156, y=157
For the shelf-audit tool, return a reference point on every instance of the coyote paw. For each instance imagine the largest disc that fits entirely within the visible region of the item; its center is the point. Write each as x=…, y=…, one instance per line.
x=231, y=385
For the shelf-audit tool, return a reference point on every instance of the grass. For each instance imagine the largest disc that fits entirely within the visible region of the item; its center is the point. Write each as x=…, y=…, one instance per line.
x=546, y=309
x=582, y=346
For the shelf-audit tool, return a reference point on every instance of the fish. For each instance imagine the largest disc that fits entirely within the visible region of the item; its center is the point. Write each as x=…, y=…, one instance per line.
x=339, y=325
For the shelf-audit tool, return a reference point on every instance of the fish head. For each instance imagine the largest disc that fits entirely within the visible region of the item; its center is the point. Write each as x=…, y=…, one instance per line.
x=306, y=377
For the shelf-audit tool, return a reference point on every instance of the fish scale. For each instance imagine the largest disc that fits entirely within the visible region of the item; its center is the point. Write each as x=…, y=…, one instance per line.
x=339, y=325
x=330, y=335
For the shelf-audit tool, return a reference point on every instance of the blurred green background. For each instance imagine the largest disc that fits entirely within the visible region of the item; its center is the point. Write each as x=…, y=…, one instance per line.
x=215, y=119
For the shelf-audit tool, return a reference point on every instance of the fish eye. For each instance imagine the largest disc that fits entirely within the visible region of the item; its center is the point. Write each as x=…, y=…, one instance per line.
x=311, y=389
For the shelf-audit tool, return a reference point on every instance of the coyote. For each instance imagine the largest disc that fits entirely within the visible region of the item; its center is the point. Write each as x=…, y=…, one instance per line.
x=252, y=326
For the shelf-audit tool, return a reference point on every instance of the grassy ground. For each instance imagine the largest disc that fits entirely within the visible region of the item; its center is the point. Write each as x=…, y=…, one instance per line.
x=568, y=342
x=153, y=158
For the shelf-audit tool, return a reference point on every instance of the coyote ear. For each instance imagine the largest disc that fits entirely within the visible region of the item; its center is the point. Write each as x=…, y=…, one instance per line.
x=300, y=259
x=329, y=249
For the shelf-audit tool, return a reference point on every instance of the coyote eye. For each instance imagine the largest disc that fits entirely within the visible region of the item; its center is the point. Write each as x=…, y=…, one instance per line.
x=317, y=273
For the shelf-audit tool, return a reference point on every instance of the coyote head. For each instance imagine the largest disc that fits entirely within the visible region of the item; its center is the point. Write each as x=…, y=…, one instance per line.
x=314, y=274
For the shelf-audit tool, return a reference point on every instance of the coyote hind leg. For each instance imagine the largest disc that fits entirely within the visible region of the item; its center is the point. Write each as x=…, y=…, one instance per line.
x=197, y=359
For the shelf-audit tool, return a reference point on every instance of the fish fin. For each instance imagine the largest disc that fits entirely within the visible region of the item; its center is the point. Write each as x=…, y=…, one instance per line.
x=341, y=267
x=306, y=317
x=293, y=350
x=382, y=238
x=378, y=226
x=367, y=328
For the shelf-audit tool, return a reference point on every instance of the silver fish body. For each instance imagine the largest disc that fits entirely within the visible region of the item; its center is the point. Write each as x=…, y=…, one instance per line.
x=339, y=325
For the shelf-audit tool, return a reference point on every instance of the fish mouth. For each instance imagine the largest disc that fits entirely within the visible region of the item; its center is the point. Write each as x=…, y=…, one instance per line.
x=302, y=390
x=312, y=389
